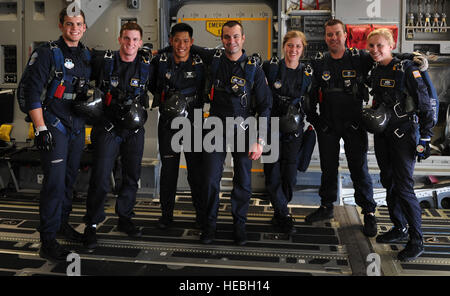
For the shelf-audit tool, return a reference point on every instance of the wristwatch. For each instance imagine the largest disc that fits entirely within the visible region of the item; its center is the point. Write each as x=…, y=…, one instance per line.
x=261, y=142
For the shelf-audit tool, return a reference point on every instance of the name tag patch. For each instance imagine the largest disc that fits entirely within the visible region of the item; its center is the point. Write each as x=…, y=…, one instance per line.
x=348, y=73
x=237, y=80
x=416, y=74
x=387, y=83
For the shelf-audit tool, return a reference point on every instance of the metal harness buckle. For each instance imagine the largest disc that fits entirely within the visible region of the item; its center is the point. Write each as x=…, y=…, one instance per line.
x=274, y=60
x=396, y=133
x=56, y=122
x=197, y=60
x=163, y=58
x=396, y=113
x=110, y=127
x=218, y=53
x=108, y=54
x=308, y=70
x=242, y=126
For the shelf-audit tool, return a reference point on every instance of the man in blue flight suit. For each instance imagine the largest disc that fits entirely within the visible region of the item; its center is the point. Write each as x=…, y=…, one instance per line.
x=59, y=132
x=123, y=76
x=339, y=75
x=231, y=98
x=180, y=80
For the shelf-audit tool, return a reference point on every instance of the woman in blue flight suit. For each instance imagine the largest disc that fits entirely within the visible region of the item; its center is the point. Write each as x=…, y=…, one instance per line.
x=289, y=80
x=395, y=147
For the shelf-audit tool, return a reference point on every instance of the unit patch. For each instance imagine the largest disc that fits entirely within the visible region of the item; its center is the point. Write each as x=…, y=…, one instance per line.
x=277, y=84
x=69, y=64
x=416, y=74
x=134, y=82
x=114, y=81
x=387, y=83
x=33, y=58
x=326, y=75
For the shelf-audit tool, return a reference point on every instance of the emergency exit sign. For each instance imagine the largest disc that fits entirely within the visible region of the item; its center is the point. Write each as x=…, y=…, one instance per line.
x=214, y=26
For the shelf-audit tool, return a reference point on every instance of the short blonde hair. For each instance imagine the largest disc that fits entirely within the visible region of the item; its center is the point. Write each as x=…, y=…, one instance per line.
x=295, y=34
x=385, y=33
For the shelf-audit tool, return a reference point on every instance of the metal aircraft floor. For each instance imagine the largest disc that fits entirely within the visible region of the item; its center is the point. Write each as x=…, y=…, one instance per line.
x=335, y=247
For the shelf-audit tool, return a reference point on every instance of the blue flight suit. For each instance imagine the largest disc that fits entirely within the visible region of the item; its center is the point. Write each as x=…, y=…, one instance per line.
x=60, y=166
x=281, y=176
x=111, y=138
x=395, y=148
x=187, y=78
x=342, y=93
x=225, y=103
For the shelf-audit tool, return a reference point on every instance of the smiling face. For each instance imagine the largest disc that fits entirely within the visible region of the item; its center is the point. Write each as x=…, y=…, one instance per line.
x=233, y=41
x=130, y=41
x=181, y=43
x=293, y=49
x=335, y=37
x=380, y=49
x=72, y=29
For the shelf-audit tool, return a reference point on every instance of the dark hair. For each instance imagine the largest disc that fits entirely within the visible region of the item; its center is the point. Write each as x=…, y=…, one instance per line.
x=130, y=26
x=231, y=24
x=333, y=22
x=181, y=27
x=63, y=14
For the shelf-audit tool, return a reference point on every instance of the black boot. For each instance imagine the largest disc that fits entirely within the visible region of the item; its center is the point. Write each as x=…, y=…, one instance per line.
x=239, y=235
x=370, y=225
x=69, y=233
x=287, y=225
x=322, y=213
x=164, y=222
x=413, y=249
x=53, y=251
x=208, y=235
x=275, y=220
x=393, y=235
x=127, y=226
x=90, y=237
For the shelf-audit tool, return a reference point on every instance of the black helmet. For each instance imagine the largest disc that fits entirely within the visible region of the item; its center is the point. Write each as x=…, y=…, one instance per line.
x=291, y=121
x=375, y=121
x=133, y=116
x=90, y=105
x=174, y=106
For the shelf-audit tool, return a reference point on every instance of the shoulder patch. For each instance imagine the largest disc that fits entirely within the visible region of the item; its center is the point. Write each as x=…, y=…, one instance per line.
x=33, y=58
x=416, y=74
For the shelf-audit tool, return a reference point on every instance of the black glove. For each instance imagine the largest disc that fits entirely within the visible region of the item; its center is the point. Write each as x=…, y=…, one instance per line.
x=423, y=149
x=43, y=140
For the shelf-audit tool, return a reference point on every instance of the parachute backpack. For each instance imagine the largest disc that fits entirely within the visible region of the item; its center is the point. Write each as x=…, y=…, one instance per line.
x=57, y=76
x=431, y=90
